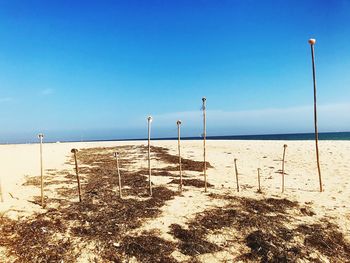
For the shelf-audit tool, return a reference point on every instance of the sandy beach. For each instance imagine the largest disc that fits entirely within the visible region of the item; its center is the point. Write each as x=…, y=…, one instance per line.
x=306, y=206
x=174, y=131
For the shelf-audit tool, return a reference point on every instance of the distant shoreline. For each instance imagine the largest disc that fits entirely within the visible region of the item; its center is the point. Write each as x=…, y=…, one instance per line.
x=331, y=136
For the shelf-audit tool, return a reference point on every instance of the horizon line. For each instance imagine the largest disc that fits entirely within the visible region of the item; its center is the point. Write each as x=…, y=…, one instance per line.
x=211, y=137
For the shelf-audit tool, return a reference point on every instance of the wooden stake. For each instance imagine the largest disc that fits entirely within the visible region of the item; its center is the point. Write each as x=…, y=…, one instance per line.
x=41, y=136
x=259, y=189
x=204, y=141
x=74, y=151
x=312, y=43
x=119, y=178
x=149, y=119
x=179, y=148
x=236, y=170
x=1, y=195
x=284, y=155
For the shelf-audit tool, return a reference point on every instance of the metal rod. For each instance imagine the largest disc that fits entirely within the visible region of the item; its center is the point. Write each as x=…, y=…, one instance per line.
x=204, y=143
x=312, y=43
x=236, y=170
x=179, y=148
x=149, y=154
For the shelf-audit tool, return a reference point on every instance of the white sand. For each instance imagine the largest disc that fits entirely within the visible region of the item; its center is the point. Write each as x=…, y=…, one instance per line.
x=302, y=185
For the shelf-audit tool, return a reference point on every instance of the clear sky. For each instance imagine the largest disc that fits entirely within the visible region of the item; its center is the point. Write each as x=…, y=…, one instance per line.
x=96, y=69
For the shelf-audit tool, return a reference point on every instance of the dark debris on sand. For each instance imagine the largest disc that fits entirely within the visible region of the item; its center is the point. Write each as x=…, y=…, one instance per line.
x=32, y=240
x=186, y=164
x=149, y=248
x=106, y=222
x=192, y=240
x=262, y=226
x=191, y=182
x=327, y=238
x=102, y=218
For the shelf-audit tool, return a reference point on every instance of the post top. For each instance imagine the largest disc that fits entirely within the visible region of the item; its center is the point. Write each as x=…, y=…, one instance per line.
x=40, y=135
x=178, y=122
x=285, y=146
x=149, y=118
x=204, y=99
x=312, y=41
x=74, y=150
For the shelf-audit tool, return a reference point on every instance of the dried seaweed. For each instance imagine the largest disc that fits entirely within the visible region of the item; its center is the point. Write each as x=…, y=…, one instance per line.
x=101, y=218
x=34, y=240
x=105, y=220
x=262, y=224
x=307, y=211
x=191, y=182
x=148, y=248
x=193, y=240
x=265, y=246
x=326, y=238
x=159, y=172
x=48, y=180
x=187, y=164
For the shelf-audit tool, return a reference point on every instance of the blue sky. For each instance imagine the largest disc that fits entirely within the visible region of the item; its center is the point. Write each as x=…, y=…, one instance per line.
x=96, y=69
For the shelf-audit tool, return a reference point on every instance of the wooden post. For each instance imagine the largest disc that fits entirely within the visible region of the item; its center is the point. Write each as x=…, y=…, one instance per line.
x=204, y=141
x=259, y=189
x=284, y=155
x=1, y=194
x=74, y=151
x=179, y=148
x=312, y=43
x=236, y=170
x=119, y=179
x=149, y=119
x=41, y=136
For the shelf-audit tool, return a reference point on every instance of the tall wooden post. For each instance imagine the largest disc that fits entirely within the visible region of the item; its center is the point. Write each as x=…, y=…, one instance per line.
x=179, y=148
x=149, y=119
x=284, y=155
x=119, y=178
x=204, y=141
x=236, y=170
x=41, y=136
x=74, y=151
x=312, y=43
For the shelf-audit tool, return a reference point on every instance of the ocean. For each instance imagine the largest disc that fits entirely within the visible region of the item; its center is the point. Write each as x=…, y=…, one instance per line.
x=334, y=136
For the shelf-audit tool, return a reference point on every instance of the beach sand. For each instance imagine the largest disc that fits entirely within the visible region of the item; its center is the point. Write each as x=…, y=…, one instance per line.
x=20, y=163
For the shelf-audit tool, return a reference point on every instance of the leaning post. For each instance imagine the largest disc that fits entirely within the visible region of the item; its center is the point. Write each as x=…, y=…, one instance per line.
x=75, y=151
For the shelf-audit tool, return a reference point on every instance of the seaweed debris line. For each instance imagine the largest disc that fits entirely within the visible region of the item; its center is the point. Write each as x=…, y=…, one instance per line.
x=170, y=226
